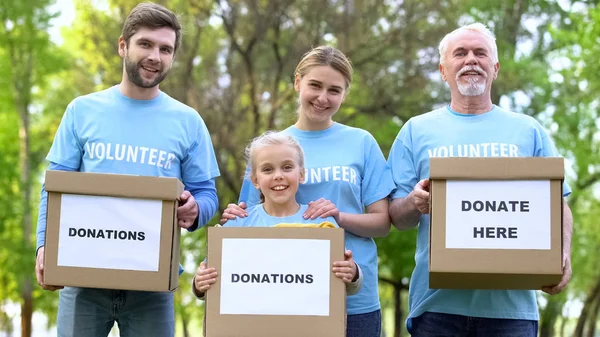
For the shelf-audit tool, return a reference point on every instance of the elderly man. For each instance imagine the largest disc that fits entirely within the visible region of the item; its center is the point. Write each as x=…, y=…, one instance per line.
x=469, y=64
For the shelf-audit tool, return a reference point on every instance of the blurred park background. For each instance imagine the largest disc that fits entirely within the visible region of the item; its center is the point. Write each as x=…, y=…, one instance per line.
x=235, y=68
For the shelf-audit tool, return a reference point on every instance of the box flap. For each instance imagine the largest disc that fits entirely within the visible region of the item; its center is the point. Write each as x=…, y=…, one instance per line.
x=526, y=168
x=117, y=185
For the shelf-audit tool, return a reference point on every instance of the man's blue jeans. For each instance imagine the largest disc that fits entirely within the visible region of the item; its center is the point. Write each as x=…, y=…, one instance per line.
x=432, y=324
x=86, y=312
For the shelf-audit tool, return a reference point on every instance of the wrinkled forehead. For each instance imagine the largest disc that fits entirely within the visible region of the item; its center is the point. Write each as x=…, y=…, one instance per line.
x=469, y=39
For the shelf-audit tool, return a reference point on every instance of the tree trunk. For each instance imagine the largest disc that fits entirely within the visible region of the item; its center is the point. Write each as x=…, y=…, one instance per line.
x=24, y=164
x=398, y=310
x=594, y=318
x=398, y=314
x=587, y=307
x=185, y=324
x=550, y=315
x=180, y=311
x=563, y=325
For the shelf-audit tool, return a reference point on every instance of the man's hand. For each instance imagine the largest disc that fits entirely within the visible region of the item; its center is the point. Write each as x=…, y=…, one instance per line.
x=234, y=211
x=39, y=271
x=420, y=196
x=187, y=212
x=566, y=277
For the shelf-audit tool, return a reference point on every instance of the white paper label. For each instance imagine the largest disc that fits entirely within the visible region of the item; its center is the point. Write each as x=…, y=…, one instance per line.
x=109, y=233
x=498, y=214
x=275, y=277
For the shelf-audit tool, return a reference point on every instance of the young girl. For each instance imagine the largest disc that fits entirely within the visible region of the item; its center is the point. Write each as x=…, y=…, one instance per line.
x=346, y=174
x=276, y=164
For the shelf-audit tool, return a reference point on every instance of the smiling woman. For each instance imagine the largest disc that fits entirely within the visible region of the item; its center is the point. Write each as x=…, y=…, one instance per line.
x=347, y=177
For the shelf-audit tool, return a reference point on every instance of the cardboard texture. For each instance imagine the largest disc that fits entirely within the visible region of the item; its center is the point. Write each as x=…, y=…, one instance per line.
x=494, y=268
x=113, y=185
x=218, y=325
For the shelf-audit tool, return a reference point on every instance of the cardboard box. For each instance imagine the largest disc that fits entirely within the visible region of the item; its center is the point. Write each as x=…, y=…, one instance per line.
x=112, y=231
x=275, y=282
x=496, y=223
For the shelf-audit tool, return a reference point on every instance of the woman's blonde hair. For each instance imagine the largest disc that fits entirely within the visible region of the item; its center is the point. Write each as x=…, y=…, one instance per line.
x=325, y=56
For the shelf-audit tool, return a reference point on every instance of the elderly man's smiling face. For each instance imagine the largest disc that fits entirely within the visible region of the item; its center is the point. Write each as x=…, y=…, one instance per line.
x=469, y=66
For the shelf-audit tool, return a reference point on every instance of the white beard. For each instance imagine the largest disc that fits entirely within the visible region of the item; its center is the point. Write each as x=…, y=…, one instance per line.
x=473, y=88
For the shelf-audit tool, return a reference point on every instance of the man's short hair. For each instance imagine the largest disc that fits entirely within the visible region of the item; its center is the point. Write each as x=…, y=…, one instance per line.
x=153, y=16
x=478, y=27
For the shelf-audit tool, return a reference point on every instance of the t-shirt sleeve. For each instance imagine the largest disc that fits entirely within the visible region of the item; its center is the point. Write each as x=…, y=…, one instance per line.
x=41, y=223
x=401, y=162
x=546, y=148
x=67, y=149
x=377, y=180
x=200, y=163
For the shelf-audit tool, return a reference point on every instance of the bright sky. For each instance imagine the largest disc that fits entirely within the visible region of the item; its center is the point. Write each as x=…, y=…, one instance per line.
x=67, y=15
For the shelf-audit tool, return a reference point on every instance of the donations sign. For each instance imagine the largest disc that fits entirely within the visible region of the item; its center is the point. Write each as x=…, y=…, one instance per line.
x=275, y=282
x=114, y=233
x=495, y=223
x=292, y=278
x=512, y=214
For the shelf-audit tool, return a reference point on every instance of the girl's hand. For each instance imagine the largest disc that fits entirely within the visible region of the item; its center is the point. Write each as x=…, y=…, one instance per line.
x=204, y=278
x=322, y=208
x=345, y=270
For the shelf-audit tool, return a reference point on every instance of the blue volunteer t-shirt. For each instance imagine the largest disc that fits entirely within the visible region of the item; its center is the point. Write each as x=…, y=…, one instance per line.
x=258, y=217
x=445, y=133
x=107, y=132
x=344, y=165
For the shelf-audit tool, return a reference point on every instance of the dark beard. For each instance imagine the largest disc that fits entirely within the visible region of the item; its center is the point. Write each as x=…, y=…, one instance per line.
x=133, y=73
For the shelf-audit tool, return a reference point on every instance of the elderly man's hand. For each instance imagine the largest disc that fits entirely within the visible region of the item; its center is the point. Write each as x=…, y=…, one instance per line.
x=566, y=277
x=420, y=196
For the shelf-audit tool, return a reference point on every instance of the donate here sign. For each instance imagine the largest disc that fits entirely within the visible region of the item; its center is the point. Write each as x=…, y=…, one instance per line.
x=498, y=214
x=109, y=232
x=275, y=277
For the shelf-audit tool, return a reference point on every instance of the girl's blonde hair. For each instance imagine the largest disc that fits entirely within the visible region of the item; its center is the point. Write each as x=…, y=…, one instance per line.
x=271, y=138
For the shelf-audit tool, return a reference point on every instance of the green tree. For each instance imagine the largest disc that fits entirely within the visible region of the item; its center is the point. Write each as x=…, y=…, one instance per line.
x=574, y=108
x=30, y=57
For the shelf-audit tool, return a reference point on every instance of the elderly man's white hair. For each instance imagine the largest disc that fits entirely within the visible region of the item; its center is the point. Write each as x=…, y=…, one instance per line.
x=478, y=27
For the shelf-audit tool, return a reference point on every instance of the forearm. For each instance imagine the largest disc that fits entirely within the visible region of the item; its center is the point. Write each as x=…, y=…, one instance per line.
x=41, y=223
x=404, y=213
x=567, y=230
x=369, y=225
x=205, y=195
